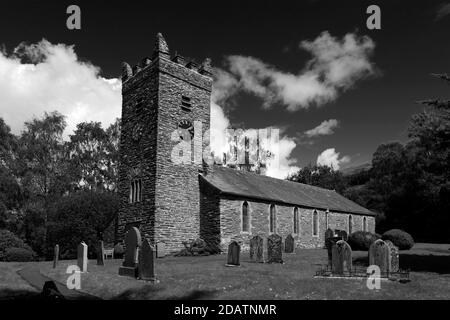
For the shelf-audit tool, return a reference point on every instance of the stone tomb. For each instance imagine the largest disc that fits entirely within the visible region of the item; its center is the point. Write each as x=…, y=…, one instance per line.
x=147, y=257
x=379, y=255
x=341, y=257
x=394, y=263
x=82, y=257
x=133, y=242
x=289, y=244
x=100, y=253
x=55, y=256
x=274, y=249
x=257, y=249
x=234, y=252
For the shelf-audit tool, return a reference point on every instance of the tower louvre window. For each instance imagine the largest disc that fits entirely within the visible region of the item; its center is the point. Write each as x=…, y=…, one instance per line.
x=136, y=191
x=186, y=103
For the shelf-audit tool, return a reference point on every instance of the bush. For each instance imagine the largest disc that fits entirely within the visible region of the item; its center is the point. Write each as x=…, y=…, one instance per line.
x=118, y=251
x=198, y=247
x=400, y=238
x=10, y=240
x=19, y=255
x=361, y=240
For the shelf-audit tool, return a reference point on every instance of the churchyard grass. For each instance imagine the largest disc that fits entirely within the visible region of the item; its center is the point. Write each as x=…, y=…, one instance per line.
x=209, y=278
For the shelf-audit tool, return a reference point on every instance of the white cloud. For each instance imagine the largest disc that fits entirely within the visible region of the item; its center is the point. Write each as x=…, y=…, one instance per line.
x=325, y=128
x=336, y=65
x=442, y=11
x=47, y=77
x=330, y=158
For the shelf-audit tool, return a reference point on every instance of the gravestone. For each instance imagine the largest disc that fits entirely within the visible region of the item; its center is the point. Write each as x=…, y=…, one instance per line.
x=161, y=250
x=82, y=257
x=289, y=244
x=234, y=252
x=394, y=263
x=274, y=249
x=147, y=257
x=330, y=243
x=56, y=256
x=133, y=242
x=100, y=253
x=329, y=234
x=379, y=255
x=257, y=249
x=341, y=257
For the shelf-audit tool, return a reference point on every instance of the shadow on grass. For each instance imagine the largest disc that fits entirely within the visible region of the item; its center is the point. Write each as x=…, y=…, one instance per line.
x=146, y=292
x=416, y=262
x=10, y=294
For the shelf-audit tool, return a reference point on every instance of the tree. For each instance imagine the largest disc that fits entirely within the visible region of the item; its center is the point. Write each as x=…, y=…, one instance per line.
x=320, y=176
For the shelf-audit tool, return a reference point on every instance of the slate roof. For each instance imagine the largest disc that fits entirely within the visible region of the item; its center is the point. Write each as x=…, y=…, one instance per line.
x=250, y=185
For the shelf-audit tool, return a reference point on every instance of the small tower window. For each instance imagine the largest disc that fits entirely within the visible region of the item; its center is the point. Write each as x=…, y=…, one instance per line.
x=245, y=217
x=186, y=103
x=315, y=223
x=272, y=219
x=296, y=224
x=136, y=191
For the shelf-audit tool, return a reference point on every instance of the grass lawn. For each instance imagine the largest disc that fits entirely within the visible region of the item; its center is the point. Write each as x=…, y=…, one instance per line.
x=209, y=278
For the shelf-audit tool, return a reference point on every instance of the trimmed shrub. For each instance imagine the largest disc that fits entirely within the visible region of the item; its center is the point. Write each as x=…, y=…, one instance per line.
x=361, y=240
x=118, y=251
x=10, y=240
x=19, y=255
x=403, y=240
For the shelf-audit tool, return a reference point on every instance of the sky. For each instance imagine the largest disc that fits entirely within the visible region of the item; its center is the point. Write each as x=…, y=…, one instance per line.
x=312, y=69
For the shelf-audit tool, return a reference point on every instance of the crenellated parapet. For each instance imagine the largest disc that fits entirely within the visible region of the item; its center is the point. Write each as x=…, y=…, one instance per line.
x=161, y=51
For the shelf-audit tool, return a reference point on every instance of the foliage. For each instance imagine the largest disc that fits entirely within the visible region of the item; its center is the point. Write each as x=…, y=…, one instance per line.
x=320, y=176
x=80, y=216
x=361, y=240
x=198, y=247
x=118, y=251
x=10, y=240
x=400, y=238
x=19, y=255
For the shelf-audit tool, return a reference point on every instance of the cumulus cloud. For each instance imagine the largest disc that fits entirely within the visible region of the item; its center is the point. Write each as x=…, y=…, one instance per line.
x=46, y=77
x=330, y=158
x=325, y=128
x=336, y=65
x=442, y=11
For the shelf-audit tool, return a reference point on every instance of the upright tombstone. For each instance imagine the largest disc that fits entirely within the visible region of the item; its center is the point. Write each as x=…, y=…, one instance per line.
x=289, y=244
x=234, y=252
x=56, y=256
x=160, y=250
x=257, y=249
x=274, y=249
x=133, y=242
x=379, y=255
x=394, y=263
x=100, y=253
x=341, y=257
x=146, y=266
x=82, y=257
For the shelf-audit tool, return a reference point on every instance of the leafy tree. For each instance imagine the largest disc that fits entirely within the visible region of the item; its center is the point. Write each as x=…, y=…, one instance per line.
x=320, y=176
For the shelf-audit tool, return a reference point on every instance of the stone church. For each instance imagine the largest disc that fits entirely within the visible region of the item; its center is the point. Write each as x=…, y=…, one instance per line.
x=173, y=203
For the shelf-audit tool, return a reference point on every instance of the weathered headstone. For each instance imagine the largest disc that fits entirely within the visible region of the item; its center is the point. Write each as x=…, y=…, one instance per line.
x=82, y=257
x=257, y=249
x=147, y=257
x=132, y=243
x=289, y=244
x=56, y=256
x=394, y=263
x=274, y=249
x=161, y=250
x=379, y=255
x=100, y=253
x=329, y=244
x=234, y=252
x=341, y=257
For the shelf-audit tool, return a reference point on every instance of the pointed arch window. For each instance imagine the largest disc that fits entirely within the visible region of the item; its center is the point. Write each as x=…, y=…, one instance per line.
x=273, y=219
x=327, y=213
x=296, y=221
x=245, y=217
x=364, y=224
x=350, y=224
x=315, y=223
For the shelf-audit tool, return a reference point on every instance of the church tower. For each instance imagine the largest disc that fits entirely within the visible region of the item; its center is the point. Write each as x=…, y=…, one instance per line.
x=164, y=99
